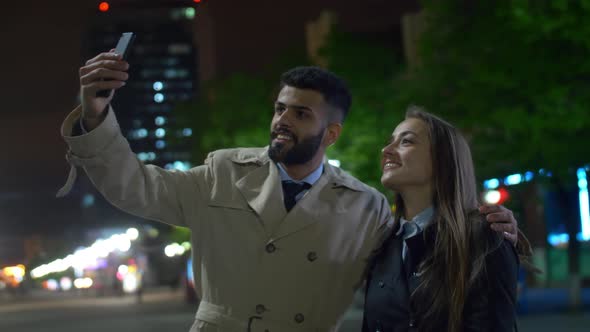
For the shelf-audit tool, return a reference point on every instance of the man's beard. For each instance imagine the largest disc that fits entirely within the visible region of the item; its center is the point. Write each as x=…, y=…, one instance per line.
x=301, y=152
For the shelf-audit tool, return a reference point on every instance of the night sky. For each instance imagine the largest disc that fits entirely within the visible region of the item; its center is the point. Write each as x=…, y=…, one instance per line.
x=40, y=57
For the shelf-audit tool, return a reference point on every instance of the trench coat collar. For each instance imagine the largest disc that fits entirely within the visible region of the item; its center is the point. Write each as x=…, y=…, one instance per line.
x=262, y=189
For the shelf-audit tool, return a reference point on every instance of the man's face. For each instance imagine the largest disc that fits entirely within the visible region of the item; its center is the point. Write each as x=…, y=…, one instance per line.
x=298, y=126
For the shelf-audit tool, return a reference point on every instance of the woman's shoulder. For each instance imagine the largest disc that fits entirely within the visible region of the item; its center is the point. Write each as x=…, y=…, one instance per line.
x=495, y=245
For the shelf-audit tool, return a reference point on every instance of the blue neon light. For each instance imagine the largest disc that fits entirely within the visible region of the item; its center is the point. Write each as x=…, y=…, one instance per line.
x=584, y=203
x=513, y=179
x=528, y=176
x=491, y=184
x=557, y=239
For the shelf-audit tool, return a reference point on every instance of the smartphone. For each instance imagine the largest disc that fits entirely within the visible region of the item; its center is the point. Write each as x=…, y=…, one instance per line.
x=123, y=47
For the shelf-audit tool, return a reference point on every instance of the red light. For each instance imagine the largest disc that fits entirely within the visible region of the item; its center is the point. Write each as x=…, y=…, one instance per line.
x=504, y=195
x=197, y=1
x=104, y=6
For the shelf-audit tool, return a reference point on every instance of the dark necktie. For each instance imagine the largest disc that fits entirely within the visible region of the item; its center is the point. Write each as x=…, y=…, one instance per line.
x=291, y=190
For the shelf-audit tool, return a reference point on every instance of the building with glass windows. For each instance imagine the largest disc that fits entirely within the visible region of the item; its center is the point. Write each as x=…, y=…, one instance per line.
x=163, y=72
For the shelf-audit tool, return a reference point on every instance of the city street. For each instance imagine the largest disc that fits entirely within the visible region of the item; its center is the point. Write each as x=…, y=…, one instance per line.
x=159, y=311
x=164, y=310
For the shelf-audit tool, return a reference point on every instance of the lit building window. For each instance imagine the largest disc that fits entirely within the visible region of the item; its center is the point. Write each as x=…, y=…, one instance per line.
x=142, y=156
x=160, y=132
x=88, y=200
x=160, y=121
x=158, y=97
x=176, y=73
x=187, y=132
x=189, y=13
x=160, y=144
x=179, y=165
x=158, y=86
x=142, y=133
x=179, y=48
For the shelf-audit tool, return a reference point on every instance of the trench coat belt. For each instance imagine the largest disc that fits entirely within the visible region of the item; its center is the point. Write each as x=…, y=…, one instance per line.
x=267, y=322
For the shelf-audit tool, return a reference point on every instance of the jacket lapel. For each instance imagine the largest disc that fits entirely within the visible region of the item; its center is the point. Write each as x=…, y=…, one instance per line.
x=261, y=188
x=318, y=203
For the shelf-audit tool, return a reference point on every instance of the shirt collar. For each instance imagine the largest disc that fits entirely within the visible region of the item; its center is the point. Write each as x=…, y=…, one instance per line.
x=421, y=221
x=311, y=178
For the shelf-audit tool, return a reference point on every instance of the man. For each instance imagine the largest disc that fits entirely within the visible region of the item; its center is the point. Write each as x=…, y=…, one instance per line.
x=280, y=237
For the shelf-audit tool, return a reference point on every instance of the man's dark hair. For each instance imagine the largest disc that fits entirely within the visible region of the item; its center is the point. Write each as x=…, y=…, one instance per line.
x=332, y=87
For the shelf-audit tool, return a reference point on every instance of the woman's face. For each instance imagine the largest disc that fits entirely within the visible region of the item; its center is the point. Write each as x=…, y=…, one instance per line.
x=406, y=161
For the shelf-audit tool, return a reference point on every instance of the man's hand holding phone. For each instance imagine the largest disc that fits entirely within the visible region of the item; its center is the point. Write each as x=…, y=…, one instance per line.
x=100, y=77
x=106, y=71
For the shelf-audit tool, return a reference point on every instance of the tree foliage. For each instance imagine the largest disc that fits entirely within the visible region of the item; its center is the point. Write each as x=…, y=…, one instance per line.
x=514, y=75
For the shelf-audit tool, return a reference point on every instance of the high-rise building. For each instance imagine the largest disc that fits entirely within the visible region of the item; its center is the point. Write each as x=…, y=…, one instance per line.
x=163, y=72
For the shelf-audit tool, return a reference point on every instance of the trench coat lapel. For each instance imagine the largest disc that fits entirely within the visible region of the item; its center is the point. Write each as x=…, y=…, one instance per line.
x=262, y=189
x=319, y=202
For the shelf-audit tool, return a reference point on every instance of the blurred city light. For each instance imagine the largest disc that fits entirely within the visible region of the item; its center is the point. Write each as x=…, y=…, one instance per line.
x=88, y=200
x=189, y=12
x=492, y=197
x=123, y=269
x=13, y=274
x=142, y=133
x=584, y=203
x=513, y=179
x=132, y=234
x=491, y=184
x=187, y=132
x=557, y=240
x=160, y=121
x=65, y=283
x=103, y=6
x=334, y=162
x=51, y=285
x=158, y=86
x=83, y=283
x=498, y=196
x=179, y=165
x=130, y=283
x=160, y=144
x=87, y=258
x=158, y=97
x=160, y=132
x=176, y=249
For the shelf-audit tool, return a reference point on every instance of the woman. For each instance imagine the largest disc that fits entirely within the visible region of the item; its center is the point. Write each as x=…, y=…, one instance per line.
x=443, y=269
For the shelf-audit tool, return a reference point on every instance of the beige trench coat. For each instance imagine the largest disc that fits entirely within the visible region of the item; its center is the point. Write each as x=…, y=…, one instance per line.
x=256, y=267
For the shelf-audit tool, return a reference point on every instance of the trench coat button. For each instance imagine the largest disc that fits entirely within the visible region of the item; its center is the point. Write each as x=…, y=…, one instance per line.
x=312, y=256
x=299, y=318
x=381, y=284
x=270, y=248
x=260, y=309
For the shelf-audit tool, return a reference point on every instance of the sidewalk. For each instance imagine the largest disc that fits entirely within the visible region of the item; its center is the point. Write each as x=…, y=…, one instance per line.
x=39, y=299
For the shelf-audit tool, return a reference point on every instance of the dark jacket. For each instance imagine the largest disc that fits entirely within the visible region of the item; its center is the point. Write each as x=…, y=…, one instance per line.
x=490, y=306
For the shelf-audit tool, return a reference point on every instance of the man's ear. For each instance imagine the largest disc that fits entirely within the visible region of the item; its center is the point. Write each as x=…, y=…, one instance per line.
x=332, y=133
